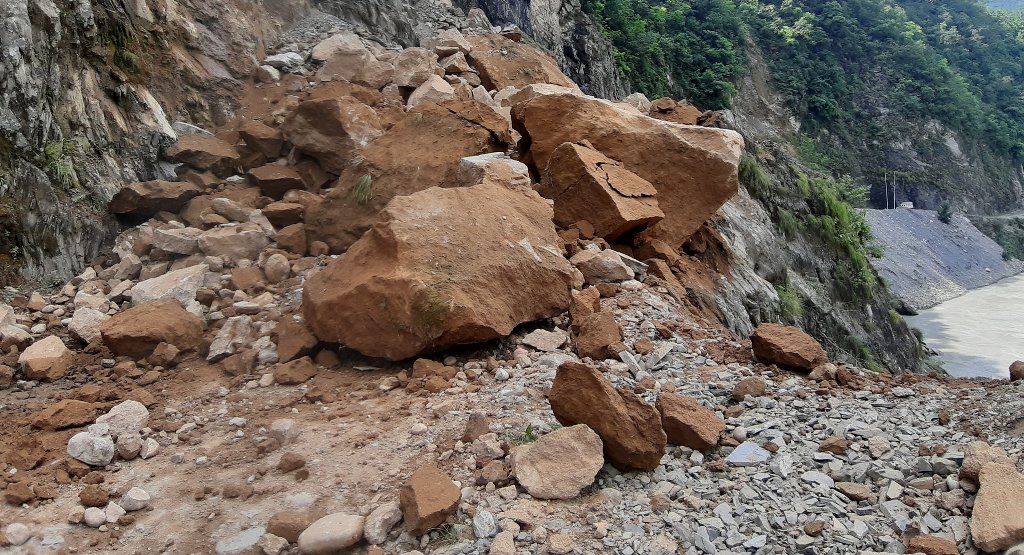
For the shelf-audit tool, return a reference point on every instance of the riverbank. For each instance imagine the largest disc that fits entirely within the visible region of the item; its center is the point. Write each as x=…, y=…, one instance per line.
x=927, y=262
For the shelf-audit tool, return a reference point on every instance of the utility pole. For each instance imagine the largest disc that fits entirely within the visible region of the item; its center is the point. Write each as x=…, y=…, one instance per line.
x=886, y=178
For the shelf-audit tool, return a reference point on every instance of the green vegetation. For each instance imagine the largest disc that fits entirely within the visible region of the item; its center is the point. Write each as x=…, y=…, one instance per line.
x=754, y=178
x=362, y=191
x=946, y=213
x=684, y=49
x=954, y=61
x=894, y=317
x=57, y=163
x=529, y=435
x=790, y=304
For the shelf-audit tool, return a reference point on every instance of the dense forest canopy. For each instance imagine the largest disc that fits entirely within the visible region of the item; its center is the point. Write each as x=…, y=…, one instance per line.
x=952, y=60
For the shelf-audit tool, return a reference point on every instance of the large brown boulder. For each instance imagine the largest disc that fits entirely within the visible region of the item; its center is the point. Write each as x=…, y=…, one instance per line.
x=692, y=168
x=598, y=336
x=630, y=429
x=998, y=519
x=786, y=347
x=206, y=153
x=505, y=63
x=138, y=330
x=422, y=150
x=428, y=499
x=64, y=414
x=442, y=267
x=332, y=130
x=261, y=138
x=688, y=423
x=149, y=197
x=587, y=185
x=667, y=109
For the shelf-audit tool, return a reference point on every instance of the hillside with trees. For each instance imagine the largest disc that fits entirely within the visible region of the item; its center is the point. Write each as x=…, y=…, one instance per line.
x=954, y=61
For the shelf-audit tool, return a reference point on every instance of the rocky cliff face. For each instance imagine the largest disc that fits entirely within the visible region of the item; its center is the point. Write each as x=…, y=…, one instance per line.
x=90, y=92
x=569, y=34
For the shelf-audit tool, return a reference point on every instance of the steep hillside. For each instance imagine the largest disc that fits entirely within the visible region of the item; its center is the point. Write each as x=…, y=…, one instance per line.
x=929, y=91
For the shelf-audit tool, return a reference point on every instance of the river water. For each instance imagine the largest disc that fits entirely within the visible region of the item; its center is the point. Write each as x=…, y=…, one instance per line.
x=980, y=333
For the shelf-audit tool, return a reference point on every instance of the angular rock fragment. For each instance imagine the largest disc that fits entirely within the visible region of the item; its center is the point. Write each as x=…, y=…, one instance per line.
x=137, y=331
x=46, y=359
x=332, y=130
x=505, y=63
x=587, y=185
x=786, y=347
x=205, y=152
x=559, y=464
x=147, y=198
x=275, y=180
x=630, y=429
x=427, y=499
x=688, y=423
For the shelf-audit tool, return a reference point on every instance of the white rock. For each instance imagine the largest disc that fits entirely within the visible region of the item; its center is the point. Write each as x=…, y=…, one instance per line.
x=125, y=417
x=94, y=517
x=113, y=512
x=381, y=521
x=545, y=340
x=284, y=430
x=17, y=533
x=150, y=448
x=128, y=445
x=93, y=447
x=277, y=268
x=331, y=534
x=85, y=324
x=236, y=333
x=135, y=499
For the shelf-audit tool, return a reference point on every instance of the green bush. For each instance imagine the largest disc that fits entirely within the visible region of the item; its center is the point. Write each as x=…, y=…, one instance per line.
x=754, y=178
x=945, y=212
x=894, y=317
x=790, y=304
x=788, y=223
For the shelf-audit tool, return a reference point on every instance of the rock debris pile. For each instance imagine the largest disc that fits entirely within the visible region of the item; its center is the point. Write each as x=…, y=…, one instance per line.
x=429, y=301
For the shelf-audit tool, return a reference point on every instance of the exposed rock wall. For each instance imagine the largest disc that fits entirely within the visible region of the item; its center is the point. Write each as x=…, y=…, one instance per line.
x=571, y=35
x=88, y=95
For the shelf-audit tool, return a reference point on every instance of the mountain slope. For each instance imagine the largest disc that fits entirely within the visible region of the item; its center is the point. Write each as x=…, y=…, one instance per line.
x=931, y=91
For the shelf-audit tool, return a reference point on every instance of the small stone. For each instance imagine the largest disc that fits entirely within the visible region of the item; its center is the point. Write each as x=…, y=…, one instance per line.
x=149, y=448
x=559, y=464
x=560, y=544
x=748, y=453
x=484, y=525
x=380, y=522
x=94, y=517
x=331, y=534
x=544, y=340
x=93, y=447
x=17, y=533
x=427, y=499
x=753, y=386
x=135, y=499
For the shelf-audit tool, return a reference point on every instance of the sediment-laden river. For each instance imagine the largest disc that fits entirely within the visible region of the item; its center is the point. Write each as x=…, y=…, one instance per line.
x=979, y=333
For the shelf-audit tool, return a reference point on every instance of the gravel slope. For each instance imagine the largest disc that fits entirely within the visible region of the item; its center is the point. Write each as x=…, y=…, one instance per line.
x=927, y=262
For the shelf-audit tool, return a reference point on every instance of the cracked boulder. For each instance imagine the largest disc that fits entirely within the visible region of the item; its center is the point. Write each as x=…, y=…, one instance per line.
x=587, y=185
x=436, y=271
x=693, y=169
